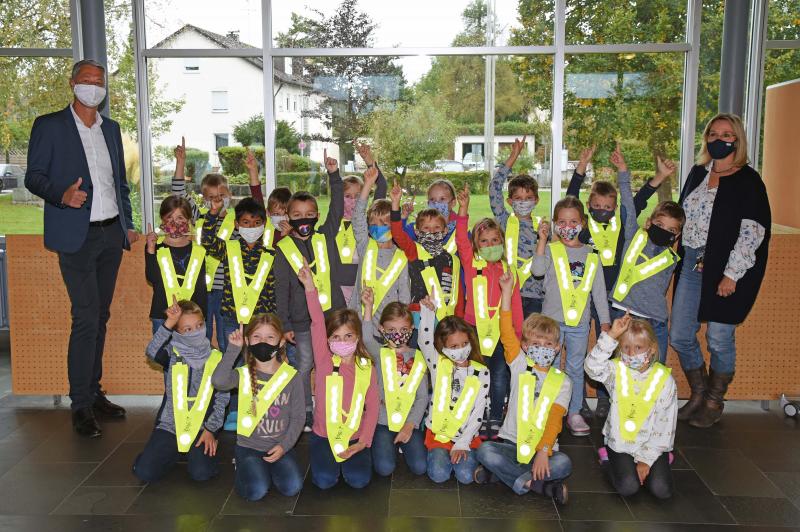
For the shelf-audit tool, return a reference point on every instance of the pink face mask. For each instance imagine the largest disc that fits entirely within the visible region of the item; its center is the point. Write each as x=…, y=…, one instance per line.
x=349, y=205
x=343, y=349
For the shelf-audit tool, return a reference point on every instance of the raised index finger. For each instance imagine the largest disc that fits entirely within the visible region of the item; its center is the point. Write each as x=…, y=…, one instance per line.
x=325, y=154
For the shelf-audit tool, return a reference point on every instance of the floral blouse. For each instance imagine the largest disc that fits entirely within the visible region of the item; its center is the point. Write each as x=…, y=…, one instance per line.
x=697, y=206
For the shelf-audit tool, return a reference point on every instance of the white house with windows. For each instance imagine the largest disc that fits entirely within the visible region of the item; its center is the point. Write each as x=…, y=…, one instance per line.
x=221, y=92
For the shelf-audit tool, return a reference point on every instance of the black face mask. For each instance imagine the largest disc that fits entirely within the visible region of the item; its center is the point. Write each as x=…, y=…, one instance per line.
x=660, y=236
x=304, y=226
x=263, y=352
x=719, y=149
x=601, y=215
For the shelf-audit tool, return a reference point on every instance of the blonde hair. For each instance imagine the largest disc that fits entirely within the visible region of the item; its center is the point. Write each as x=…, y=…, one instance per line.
x=487, y=224
x=352, y=180
x=379, y=209
x=444, y=183
x=740, y=158
x=541, y=325
x=213, y=180
x=641, y=329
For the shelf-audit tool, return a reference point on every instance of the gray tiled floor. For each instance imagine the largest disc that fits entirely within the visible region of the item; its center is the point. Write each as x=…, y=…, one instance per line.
x=743, y=474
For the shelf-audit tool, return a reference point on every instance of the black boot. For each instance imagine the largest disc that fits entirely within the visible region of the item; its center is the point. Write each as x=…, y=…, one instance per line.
x=698, y=380
x=711, y=409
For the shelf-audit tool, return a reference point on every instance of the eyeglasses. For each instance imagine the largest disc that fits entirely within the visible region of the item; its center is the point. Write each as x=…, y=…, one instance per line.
x=727, y=137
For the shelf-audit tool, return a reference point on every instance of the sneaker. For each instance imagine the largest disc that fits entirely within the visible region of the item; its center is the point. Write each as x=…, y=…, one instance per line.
x=230, y=421
x=671, y=458
x=603, y=406
x=494, y=430
x=481, y=475
x=483, y=433
x=558, y=491
x=586, y=411
x=602, y=453
x=577, y=425
x=309, y=421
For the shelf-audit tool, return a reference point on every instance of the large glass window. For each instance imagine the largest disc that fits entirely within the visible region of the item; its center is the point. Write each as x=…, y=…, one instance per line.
x=203, y=23
x=35, y=24
x=624, y=21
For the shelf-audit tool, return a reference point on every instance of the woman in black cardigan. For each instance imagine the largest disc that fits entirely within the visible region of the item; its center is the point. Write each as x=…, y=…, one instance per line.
x=724, y=247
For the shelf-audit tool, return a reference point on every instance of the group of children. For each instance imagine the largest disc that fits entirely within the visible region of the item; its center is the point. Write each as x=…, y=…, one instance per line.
x=426, y=339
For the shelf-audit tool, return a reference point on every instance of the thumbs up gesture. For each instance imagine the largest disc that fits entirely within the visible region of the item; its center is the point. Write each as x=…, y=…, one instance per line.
x=74, y=197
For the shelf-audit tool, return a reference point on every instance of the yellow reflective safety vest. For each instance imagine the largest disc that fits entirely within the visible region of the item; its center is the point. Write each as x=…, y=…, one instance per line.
x=447, y=418
x=605, y=238
x=398, y=396
x=573, y=298
x=369, y=272
x=633, y=408
x=252, y=410
x=522, y=267
x=269, y=234
x=223, y=233
x=631, y=273
x=173, y=285
x=532, y=415
x=189, y=421
x=340, y=431
x=346, y=242
x=487, y=318
x=445, y=302
x=246, y=295
x=450, y=246
x=320, y=268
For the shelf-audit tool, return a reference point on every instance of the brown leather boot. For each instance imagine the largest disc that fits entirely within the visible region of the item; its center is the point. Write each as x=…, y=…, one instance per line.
x=698, y=380
x=714, y=401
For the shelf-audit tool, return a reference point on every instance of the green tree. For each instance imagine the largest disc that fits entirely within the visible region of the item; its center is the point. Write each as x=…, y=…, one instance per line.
x=250, y=132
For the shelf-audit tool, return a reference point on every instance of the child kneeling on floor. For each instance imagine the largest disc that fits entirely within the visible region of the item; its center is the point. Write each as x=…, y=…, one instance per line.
x=640, y=430
x=537, y=403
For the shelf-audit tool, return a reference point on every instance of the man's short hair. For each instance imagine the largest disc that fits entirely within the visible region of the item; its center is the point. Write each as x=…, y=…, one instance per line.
x=85, y=62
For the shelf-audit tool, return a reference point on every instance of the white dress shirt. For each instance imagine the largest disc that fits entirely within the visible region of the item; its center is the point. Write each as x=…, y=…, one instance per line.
x=104, y=197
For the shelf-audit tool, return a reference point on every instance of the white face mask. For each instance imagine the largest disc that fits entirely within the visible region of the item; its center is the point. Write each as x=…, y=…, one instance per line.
x=278, y=218
x=251, y=234
x=89, y=95
x=459, y=354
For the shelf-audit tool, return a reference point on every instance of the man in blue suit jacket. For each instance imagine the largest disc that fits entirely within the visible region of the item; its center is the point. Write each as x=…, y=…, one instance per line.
x=76, y=164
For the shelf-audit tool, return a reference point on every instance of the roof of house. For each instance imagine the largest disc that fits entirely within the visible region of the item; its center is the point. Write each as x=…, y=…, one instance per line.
x=232, y=42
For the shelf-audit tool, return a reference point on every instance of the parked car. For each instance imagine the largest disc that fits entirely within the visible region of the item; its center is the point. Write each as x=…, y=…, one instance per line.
x=446, y=165
x=473, y=162
x=11, y=176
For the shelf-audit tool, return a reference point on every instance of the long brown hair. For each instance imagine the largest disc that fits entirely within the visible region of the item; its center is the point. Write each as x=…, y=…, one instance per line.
x=454, y=324
x=255, y=322
x=348, y=317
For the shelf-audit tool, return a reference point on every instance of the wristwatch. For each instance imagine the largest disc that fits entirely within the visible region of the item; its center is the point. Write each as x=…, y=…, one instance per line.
x=546, y=448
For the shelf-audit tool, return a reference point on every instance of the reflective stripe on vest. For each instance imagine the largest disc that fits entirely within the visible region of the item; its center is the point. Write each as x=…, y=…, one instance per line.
x=320, y=268
x=532, y=416
x=399, y=397
x=451, y=247
x=346, y=242
x=521, y=266
x=369, y=272
x=605, y=239
x=248, y=416
x=445, y=302
x=188, y=421
x=224, y=233
x=269, y=234
x=339, y=432
x=487, y=318
x=446, y=418
x=631, y=273
x=633, y=408
x=246, y=295
x=172, y=281
x=573, y=298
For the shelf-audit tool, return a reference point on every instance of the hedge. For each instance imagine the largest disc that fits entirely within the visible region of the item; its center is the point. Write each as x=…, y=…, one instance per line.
x=232, y=159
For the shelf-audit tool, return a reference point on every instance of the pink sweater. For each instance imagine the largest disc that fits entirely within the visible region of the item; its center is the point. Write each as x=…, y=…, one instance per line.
x=323, y=366
x=493, y=271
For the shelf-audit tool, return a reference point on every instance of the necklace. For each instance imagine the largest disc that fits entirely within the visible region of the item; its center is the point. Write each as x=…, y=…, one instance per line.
x=718, y=172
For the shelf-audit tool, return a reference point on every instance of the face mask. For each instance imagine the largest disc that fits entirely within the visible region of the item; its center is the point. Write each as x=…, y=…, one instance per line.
x=175, y=230
x=89, y=95
x=397, y=337
x=380, y=233
x=568, y=233
x=601, y=215
x=226, y=202
x=349, y=205
x=523, y=207
x=251, y=234
x=276, y=219
x=540, y=355
x=343, y=349
x=459, y=354
x=660, y=236
x=304, y=226
x=491, y=253
x=263, y=352
x=432, y=242
x=193, y=347
x=719, y=149
x=440, y=206
x=637, y=361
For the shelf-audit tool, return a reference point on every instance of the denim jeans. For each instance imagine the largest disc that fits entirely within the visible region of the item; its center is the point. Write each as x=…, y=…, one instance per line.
x=440, y=466
x=215, y=316
x=501, y=459
x=622, y=470
x=720, y=337
x=531, y=305
x=325, y=470
x=304, y=358
x=575, y=340
x=499, y=383
x=601, y=391
x=161, y=453
x=384, y=451
x=255, y=476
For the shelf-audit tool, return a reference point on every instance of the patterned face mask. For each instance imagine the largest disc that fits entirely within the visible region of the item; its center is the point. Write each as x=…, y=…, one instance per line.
x=432, y=242
x=523, y=207
x=457, y=354
x=636, y=361
x=568, y=233
x=397, y=337
x=440, y=206
x=175, y=230
x=540, y=355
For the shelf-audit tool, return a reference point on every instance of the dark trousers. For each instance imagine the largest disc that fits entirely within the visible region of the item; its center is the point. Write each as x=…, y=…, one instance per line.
x=90, y=275
x=325, y=470
x=255, y=476
x=161, y=453
x=622, y=470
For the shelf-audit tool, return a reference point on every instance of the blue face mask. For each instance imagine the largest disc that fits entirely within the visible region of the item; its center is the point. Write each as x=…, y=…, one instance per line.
x=440, y=206
x=380, y=233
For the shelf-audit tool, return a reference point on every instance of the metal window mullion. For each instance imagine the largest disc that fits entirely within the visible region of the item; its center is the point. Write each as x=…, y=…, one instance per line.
x=36, y=52
x=755, y=80
x=143, y=115
x=789, y=44
x=405, y=51
x=557, y=122
x=270, y=176
x=626, y=48
x=690, y=77
x=76, y=30
x=202, y=52
x=490, y=62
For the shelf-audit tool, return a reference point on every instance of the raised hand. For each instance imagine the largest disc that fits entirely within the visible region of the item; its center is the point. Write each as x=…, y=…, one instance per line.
x=365, y=152
x=618, y=160
x=74, y=197
x=585, y=159
x=173, y=313
x=306, y=277
x=367, y=297
x=427, y=302
x=516, y=149
x=408, y=208
x=507, y=281
x=395, y=194
x=151, y=239
x=250, y=162
x=544, y=230
x=463, y=200
x=664, y=169
x=237, y=336
x=331, y=164
x=370, y=177
x=619, y=326
x=180, y=152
